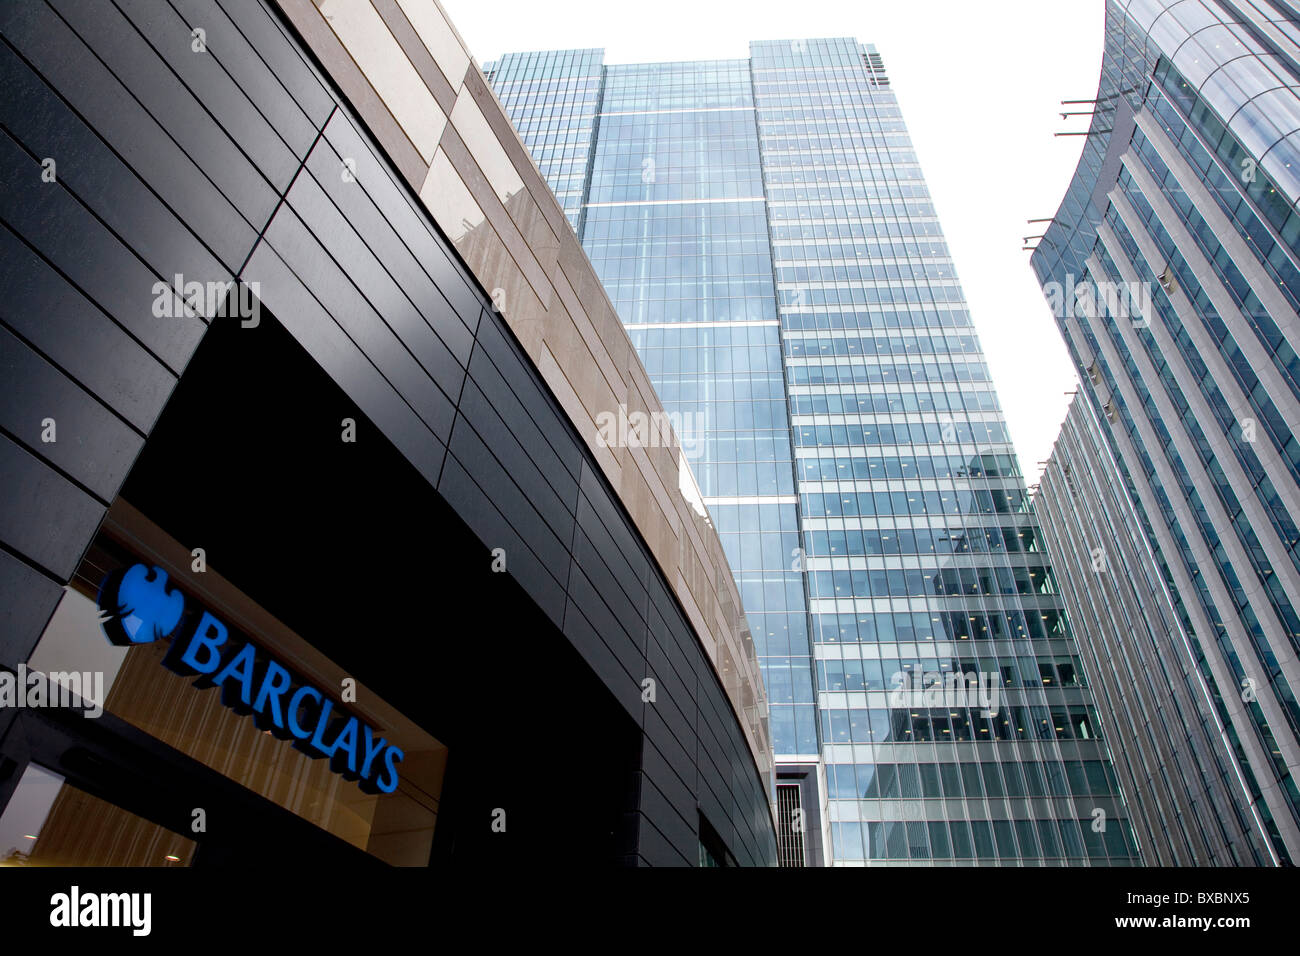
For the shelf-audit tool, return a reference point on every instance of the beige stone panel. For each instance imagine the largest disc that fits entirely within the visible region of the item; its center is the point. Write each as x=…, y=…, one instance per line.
x=693, y=573
x=736, y=649
x=745, y=638
x=636, y=373
x=739, y=638
x=584, y=373
x=659, y=528
x=484, y=147
x=575, y=264
x=505, y=134
x=572, y=405
x=695, y=532
x=498, y=218
x=664, y=460
x=668, y=463
x=518, y=305
x=700, y=535
x=610, y=329
x=586, y=285
x=687, y=552
x=698, y=555
x=668, y=500
x=522, y=209
x=439, y=37
x=617, y=348
x=459, y=214
x=379, y=56
x=526, y=213
x=307, y=20
x=447, y=198
x=527, y=317
x=698, y=621
x=602, y=323
x=417, y=53
x=614, y=377
x=724, y=625
x=730, y=676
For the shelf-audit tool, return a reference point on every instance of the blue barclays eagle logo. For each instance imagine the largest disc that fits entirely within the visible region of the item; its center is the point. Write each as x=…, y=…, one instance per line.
x=137, y=607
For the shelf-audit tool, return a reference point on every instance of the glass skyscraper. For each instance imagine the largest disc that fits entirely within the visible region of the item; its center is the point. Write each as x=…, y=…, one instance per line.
x=1174, y=268
x=765, y=232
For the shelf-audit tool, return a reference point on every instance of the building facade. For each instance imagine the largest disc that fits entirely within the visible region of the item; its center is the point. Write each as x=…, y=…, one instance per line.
x=765, y=233
x=311, y=539
x=1185, y=793
x=1173, y=268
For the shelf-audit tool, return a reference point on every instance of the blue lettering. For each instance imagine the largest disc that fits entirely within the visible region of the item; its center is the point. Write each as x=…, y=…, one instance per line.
x=240, y=666
x=275, y=683
x=343, y=759
x=139, y=609
x=371, y=750
x=209, y=634
x=295, y=704
x=317, y=741
x=392, y=757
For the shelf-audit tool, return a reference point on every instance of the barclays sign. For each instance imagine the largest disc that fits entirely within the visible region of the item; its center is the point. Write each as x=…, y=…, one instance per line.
x=139, y=608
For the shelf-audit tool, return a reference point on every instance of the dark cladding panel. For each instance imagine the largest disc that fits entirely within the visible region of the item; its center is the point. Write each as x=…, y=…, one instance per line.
x=88, y=169
x=27, y=599
x=142, y=140
x=514, y=367
x=329, y=283
x=61, y=422
x=360, y=257
x=417, y=273
x=617, y=549
x=46, y=516
x=305, y=318
x=667, y=820
x=477, y=510
x=656, y=849
x=623, y=638
x=590, y=643
x=514, y=501
x=42, y=307
x=595, y=564
x=51, y=220
x=500, y=436
x=412, y=224
x=172, y=80
x=666, y=658
x=673, y=704
x=677, y=782
x=505, y=398
x=282, y=59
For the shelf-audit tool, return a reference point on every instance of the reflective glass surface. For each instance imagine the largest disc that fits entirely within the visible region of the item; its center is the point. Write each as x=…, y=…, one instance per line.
x=768, y=239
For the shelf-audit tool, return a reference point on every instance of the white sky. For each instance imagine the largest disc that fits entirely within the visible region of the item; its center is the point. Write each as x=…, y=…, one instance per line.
x=980, y=85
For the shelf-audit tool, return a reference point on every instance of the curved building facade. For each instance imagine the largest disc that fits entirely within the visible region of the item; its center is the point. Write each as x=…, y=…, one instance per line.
x=1173, y=266
x=765, y=231
x=314, y=533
